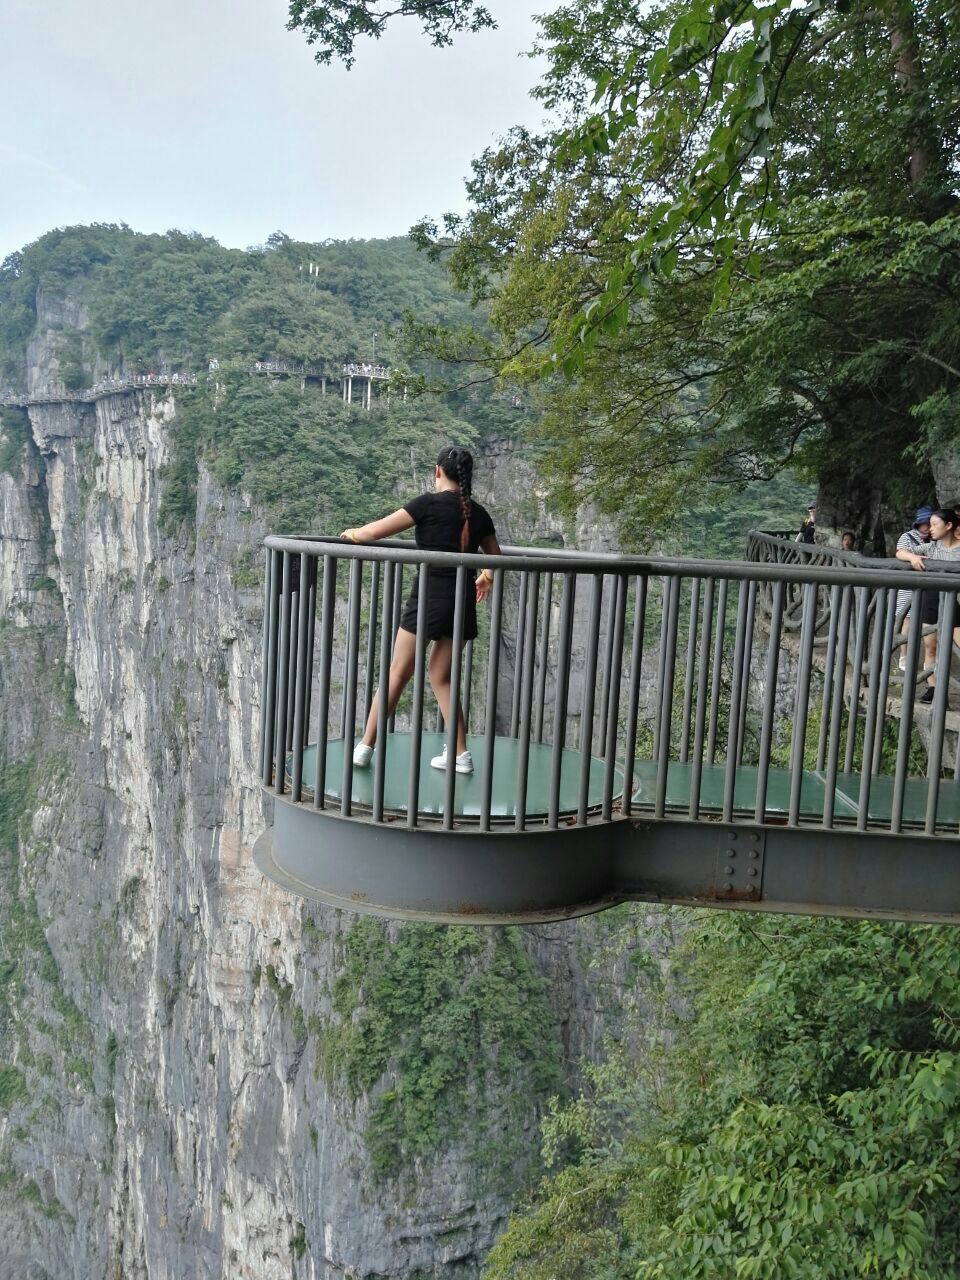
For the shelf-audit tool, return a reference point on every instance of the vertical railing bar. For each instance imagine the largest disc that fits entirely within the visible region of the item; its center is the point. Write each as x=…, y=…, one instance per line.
x=661, y=666
x=769, y=701
x=906, y=712
x=613, y=696
x=350, y=686
x=870, y=715
x=311, y=637
x=884, y=686
x=490, y=716
x=560, y=696
x=398, y=571
x=606, y=670
x=294, y=646
x=283, y=680
x=589, y=697
x=372, y=638
x=672, y=606
x=271, y=595
x=456, y=655
x=689, y=670
x=736, y=691
x=836, y=712
x=526, y=702
x=328, y=609
x=419, y=680
x=544, y=655
x=938, y=708
x=699, y=724
x=467, y=683
x=518, y=654
x=717, y=672
x=801, y=708
x=303, y=674
x=633, y=697
x=828, y=677
x=386, y=646
x=747, y=664
x=859, y=647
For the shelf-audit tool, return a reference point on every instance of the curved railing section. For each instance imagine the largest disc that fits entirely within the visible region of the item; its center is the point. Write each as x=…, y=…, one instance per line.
x=602, y=687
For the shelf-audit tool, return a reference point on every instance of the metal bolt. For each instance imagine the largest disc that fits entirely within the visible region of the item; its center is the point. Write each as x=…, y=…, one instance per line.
x=728, y=871
x=731, y=835
x=727, y=887
x=751, y=871
x=731, y=853
x=754, y=853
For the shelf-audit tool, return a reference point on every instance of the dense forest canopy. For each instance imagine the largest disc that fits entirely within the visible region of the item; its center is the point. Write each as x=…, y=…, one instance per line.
x=178, y=301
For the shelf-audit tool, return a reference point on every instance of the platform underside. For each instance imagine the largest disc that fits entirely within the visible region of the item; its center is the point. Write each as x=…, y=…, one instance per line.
x=513, y=877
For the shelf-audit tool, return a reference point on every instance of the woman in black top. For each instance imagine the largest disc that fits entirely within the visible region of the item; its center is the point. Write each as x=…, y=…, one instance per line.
x=446, y=520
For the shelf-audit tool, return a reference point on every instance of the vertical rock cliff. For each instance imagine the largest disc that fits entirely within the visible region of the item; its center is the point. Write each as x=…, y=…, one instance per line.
x=168, y=1019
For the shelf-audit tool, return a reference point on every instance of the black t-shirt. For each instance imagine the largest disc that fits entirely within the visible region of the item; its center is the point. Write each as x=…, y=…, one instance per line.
x=439, y=521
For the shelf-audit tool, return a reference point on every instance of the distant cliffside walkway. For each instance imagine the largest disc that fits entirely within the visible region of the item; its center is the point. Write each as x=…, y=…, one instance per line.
x=344, y=375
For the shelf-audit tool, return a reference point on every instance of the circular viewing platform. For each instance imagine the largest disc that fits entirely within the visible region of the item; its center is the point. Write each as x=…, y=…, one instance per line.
x=738, y=734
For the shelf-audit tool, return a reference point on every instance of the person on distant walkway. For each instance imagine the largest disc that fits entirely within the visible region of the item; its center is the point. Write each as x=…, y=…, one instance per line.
x=945, y=545
x=807, y=528
x=913, y=546
x=446, y=520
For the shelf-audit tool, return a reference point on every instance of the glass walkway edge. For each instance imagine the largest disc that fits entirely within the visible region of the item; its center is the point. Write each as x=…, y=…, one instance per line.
x=625, y=740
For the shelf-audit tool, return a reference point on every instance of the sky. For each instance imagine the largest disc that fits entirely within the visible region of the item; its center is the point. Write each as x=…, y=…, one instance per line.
x=209, y=116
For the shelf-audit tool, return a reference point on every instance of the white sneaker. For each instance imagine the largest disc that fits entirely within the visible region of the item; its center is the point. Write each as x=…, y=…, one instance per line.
x=361, y=755
x=464, y=762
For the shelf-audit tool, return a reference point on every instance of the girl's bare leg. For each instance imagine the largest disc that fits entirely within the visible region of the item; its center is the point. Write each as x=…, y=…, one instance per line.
x=441, y=660
x=401, y=669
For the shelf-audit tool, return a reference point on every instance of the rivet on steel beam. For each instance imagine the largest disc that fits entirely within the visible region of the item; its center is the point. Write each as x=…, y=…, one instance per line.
x=728, y=871
x=754, y=853
x=731, y=853
x=754, y=836
x=751, y=871
x=731, y=835
x=726, y=887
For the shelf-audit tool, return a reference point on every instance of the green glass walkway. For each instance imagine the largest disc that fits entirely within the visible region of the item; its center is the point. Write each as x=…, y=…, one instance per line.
x=812, y=792
x=506, y=765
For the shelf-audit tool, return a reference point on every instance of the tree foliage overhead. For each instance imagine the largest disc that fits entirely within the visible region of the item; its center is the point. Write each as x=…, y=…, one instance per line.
x=738, y=244
x=335, y=27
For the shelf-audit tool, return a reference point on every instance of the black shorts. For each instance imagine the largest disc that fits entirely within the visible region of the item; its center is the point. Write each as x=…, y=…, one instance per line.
x=930, y=607
x=441, y=603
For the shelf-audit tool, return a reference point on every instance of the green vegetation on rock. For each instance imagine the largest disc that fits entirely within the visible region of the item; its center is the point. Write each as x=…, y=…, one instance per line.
x=432, y=1025
x=802, y=1121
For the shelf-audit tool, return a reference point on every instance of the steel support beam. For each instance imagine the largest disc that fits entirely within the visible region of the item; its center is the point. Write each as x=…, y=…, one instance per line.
x=507, y=876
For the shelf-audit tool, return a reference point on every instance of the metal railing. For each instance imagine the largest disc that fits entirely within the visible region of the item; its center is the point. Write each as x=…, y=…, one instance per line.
x=764, y=692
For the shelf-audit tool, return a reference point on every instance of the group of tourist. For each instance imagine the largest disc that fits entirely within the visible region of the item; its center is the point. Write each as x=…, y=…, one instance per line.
x=933, y=536
x=365, y=370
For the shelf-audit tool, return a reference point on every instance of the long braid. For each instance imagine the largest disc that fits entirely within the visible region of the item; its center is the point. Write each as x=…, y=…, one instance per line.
x=465, y=480
x=457, y=463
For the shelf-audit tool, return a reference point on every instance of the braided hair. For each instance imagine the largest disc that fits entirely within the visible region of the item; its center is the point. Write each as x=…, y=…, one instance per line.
x=457, y=464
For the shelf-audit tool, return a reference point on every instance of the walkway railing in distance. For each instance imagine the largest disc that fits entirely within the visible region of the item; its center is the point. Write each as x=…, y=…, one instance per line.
x=762, y=692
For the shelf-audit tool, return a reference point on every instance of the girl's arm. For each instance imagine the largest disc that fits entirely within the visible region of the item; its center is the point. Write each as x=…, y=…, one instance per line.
x=396, y=522
x=490, y=547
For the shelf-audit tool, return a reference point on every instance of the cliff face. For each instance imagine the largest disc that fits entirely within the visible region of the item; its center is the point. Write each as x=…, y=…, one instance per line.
x=162, y=1007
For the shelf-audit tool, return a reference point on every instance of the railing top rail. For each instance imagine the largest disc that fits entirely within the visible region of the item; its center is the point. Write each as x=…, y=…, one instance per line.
x=543, y=559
